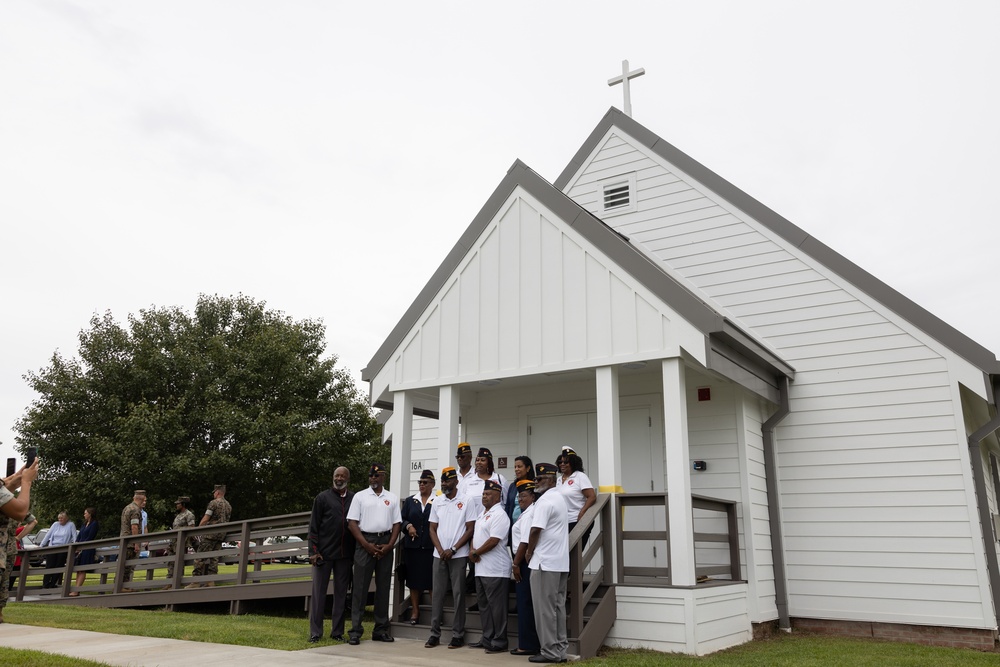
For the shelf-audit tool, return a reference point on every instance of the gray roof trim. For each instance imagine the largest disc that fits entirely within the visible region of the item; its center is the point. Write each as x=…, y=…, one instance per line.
x=923, y=319
x=614, y=245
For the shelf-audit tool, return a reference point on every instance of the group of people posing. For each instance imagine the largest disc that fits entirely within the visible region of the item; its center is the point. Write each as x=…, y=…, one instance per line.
x=477, y=535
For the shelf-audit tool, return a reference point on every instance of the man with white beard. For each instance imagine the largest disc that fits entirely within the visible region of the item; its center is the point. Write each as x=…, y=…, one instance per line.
x=331, y=549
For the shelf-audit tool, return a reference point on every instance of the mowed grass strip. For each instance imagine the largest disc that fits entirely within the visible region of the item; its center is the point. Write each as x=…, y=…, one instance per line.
x=285, y=633
x=24, y=658
x=805, y=650
x=289, y=632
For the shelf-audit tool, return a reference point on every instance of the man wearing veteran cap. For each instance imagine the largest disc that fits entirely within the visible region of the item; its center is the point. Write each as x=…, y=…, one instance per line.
x=548, y=558
x=331, y=550
x=484, y=472
x=463, y=467
x=451, y=528
x=374, y=520
x=493, y=567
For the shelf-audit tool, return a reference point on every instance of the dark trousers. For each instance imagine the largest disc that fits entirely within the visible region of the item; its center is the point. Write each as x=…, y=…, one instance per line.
x=449, y=574
x=55, y=579
x=527, y=636
x=491, y=595
x=365, y=565
x=341, y=569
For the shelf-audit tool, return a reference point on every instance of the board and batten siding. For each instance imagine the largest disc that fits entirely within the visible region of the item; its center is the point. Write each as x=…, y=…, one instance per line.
x=506, y=312
x=875, y=497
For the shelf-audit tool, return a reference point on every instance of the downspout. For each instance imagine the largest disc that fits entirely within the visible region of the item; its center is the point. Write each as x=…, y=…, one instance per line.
x=773, y=515
x=982, y=500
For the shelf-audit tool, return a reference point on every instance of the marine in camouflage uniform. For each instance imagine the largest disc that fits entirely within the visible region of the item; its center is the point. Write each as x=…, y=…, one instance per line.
x=184, y=518
x=132, y=525
x=8, y=542
x=218, y=511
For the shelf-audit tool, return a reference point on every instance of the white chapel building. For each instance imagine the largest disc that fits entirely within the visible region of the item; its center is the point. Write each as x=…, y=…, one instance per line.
x=692, y=344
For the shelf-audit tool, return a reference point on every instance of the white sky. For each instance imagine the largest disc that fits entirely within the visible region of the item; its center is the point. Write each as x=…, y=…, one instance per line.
x=325, y=156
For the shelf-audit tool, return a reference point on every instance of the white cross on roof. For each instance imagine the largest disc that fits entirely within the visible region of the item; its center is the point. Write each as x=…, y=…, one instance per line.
x=624, y=79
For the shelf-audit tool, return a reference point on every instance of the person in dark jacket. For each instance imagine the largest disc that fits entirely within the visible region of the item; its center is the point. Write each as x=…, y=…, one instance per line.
x=331, y=549
x=418, y=550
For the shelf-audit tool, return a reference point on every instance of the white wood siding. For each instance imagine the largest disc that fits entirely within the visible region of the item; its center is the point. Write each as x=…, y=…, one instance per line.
x=532, y=295
x=876, y=517
x=693, y=621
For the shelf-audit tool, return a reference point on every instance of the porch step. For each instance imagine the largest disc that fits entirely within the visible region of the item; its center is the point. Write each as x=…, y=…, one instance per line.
x=401, y=627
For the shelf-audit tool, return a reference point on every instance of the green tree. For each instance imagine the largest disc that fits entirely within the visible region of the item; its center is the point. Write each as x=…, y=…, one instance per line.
x=173, y=403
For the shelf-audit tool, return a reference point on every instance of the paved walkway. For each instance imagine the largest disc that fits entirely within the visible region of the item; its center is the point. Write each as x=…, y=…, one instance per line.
x=131, y=651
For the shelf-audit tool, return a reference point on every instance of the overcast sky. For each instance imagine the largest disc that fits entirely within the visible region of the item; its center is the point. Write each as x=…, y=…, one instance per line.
x=325, y=156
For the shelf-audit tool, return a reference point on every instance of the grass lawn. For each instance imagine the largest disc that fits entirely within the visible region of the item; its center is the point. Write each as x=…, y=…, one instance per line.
x=10, y=656
x=288, y=631
x=804, y=650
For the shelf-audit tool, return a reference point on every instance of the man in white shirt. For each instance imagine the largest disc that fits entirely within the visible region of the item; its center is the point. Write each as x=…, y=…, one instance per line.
x=373, y=520
x=451, y=530
x=548, y=558
x=493, y=565
x=463, y=467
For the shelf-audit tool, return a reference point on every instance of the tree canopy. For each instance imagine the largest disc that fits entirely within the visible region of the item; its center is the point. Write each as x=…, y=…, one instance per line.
x=175, y=402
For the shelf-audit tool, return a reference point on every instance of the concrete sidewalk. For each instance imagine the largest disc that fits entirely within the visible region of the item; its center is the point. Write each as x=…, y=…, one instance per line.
x=131, y=651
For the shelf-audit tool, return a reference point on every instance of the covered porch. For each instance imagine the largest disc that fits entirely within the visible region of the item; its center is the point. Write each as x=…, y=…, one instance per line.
x=685, y=547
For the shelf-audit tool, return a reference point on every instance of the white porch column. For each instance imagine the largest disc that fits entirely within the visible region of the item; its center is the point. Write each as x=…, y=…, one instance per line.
x=675, y=430
x=402, y=443
x=609, y=439
x=448, y=427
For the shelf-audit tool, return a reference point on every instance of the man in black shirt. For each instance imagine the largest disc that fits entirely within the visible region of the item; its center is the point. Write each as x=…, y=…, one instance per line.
x=331, y=549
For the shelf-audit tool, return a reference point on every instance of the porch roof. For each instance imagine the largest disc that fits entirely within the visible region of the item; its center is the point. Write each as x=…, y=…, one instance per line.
x=729, y=347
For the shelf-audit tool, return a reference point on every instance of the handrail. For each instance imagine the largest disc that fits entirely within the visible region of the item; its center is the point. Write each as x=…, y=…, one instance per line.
x=652, y=575
x=579, y=562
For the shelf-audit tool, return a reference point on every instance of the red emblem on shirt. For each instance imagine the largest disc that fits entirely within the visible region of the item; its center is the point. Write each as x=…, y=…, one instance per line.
x=486, y=516
x=460, y=506
x=570, y=482
x=386, y=501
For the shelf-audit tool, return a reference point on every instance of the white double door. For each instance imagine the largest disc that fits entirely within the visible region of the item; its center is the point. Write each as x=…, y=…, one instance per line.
x=641, y=460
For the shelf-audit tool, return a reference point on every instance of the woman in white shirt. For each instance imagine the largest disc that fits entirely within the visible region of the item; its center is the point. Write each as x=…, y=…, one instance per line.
x=62, y=532
x=575, y=487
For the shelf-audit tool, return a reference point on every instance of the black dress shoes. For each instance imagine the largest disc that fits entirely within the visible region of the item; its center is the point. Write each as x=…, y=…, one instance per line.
x=314, y=639
x=542, y=658
x=354, y=641
x=456, y=643
x=477, y=645
x=432, y=642
x=337, y=638
x=383, y=638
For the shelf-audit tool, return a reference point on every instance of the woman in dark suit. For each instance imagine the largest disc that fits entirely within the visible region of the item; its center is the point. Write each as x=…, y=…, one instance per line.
x=418, y=551
x=86, y=557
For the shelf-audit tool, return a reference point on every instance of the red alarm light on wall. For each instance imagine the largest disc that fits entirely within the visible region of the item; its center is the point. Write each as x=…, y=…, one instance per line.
x=704, y=393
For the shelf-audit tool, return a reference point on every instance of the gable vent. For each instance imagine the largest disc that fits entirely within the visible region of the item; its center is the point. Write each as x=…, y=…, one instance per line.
x=617, y=195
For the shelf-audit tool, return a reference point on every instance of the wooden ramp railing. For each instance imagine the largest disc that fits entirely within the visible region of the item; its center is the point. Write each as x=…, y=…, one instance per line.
x=259, y=548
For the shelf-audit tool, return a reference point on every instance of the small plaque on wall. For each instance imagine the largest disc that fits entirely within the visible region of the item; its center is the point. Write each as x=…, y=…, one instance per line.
x=501, y=462
x=416, y=466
